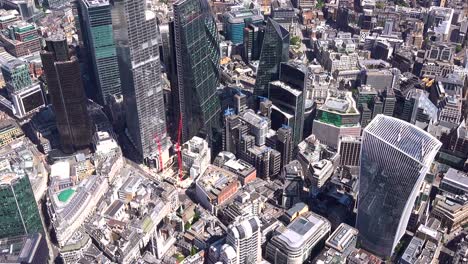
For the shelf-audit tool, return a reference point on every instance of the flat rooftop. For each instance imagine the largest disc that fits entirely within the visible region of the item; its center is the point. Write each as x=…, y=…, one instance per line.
x=238, y=16
x=342, y=235
x=340, y=103
x=215, y=179
x=458, y=177
x=302, y=228
x=96, y=3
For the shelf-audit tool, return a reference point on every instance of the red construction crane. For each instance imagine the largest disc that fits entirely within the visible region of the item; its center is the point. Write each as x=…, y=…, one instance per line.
x=158, y=141
x=178, y=147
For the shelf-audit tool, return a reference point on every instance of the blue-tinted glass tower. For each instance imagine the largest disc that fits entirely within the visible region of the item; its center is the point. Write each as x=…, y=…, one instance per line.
x=235, y=21
x=98, y=39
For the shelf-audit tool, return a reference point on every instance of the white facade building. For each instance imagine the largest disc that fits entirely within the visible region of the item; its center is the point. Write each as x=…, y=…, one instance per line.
x=244, y=240
x=196, y=156
x=295, y=243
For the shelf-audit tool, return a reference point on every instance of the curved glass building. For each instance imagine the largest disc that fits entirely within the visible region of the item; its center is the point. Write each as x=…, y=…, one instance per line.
x=275, y=49
x=395, y=157
x=197, y=56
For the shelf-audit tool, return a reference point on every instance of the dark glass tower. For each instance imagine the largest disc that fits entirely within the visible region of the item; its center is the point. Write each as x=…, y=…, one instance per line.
x=18, y=209
x=197, y=63
x=253, y=38
x=65, y=86
x=288, y=97
x=136, y=39
x=98, y=40
x=275, y=49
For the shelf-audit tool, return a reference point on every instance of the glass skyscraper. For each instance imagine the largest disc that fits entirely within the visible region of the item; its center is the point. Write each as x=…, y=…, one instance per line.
x=197, y=57
x=235, y=21
x=63, y=77
x=19, y=214
x=275, y=49
x=98, y=39
x=136, y=38
x=288, y=95
x=395, y=157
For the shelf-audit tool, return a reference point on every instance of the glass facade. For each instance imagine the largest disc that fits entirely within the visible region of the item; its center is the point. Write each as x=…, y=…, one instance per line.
x=197, y=64
x=235, y=22
x=63, y=77
x=292, y=103
x=395, y=157
x=329, y=118
x=275, y=49
x=136, y=37
x=253, y=39
x=16, y=74
x=98, y=39
x=19, y=214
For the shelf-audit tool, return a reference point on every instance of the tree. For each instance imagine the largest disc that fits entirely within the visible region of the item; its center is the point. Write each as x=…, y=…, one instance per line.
x=193, y=251
x=196, y=217
x=295, y=40
x=320, y=4
x=458, y=48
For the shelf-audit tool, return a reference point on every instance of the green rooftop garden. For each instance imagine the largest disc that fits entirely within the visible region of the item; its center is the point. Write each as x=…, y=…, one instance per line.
x=65, y=195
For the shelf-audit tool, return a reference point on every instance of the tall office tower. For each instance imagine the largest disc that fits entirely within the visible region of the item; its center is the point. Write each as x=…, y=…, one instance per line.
x=389, y=102
x=366, y=114
x=197, y=61
x=25, y=95
x=418, y=108
x=293, y=188
x=231, y=133
x=365, y=94
x=16, y=75
x=19, y=214
x=244, y=240
x=284, y=144
x=253, y=39
x=275, y=49
x=63, y=77
x=240, y=101
x=377, y=106
x=288, y=97
x=337, y=117
x=164, y=31
x=364, y=97
x=395, y=157
x=349, y=149
x=98, y=39
x=235, y=21
x=136, y=36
